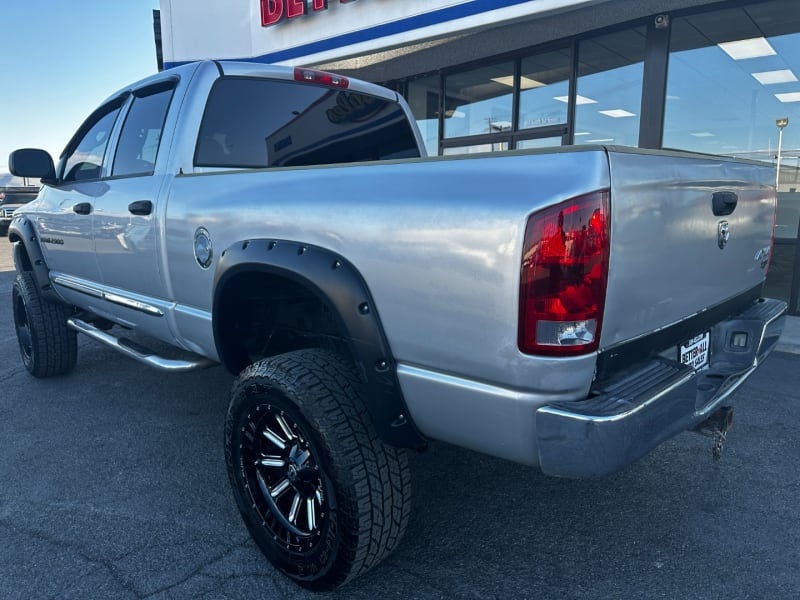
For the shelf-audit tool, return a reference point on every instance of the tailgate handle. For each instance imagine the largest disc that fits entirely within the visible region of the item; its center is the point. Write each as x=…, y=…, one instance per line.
x=723, y=203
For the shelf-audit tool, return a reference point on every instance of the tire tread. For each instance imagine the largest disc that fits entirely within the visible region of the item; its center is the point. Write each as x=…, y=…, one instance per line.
x=54, y=347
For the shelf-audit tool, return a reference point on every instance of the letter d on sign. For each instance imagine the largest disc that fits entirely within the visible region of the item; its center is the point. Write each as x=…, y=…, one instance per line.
x=271, y=12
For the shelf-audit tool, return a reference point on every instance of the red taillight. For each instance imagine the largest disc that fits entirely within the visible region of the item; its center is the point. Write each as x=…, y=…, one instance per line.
x=563, y=278
x=321, y=77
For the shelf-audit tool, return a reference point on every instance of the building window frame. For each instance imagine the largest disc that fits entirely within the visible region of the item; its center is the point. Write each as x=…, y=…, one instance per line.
x=654, y=81
x=515, y=134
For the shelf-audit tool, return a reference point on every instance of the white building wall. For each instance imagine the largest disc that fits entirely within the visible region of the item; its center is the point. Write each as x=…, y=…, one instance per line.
x=202, y=29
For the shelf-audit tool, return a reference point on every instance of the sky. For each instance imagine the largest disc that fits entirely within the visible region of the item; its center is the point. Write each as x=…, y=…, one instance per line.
x=59, y=61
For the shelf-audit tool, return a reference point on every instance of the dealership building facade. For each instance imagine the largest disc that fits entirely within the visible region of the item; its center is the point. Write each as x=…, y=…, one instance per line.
x=498, y=75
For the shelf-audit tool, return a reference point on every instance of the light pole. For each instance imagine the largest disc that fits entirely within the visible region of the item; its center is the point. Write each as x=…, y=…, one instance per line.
x=780, y=123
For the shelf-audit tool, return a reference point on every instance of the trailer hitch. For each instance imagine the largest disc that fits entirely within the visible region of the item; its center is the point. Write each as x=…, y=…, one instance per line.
x=716, y=427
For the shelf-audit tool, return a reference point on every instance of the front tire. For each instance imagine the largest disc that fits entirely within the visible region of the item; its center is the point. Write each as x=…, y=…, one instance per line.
x=322, y=496
x=48, y=347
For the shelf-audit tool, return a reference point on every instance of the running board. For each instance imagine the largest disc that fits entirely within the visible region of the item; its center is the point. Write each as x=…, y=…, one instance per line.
x=137, y=351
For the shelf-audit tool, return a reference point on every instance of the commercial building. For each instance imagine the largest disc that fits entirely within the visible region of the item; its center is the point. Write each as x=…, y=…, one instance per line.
x=498, y=75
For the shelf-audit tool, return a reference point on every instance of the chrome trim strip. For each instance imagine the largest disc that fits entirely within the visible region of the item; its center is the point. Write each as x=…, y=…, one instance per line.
x=72, y=284
x=134, y=304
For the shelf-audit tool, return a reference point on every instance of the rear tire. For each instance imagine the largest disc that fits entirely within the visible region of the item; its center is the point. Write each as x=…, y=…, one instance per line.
x=48, y=347
x=322, y=496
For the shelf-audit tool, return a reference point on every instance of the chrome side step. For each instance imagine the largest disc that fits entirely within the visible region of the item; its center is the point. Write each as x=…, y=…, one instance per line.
x=137, y=351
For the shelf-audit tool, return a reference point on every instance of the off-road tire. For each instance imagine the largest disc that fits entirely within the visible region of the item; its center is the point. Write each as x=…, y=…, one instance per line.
x=48, y=347
x=357, y=488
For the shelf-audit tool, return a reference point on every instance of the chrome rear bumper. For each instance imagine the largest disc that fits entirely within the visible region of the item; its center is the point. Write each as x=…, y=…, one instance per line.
x=626, y=418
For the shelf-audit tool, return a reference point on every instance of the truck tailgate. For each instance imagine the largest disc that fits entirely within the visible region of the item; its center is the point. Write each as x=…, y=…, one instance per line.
x=671, y=255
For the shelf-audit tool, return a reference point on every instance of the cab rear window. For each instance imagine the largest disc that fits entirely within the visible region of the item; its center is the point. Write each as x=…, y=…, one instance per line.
x=258, y=123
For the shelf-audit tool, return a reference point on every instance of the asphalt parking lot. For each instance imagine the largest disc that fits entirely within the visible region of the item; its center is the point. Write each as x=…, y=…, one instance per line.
x=112, y=485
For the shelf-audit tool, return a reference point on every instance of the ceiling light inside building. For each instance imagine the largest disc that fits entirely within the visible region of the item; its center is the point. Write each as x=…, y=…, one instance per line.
x=770, y=77
x=525, y=82
x=616, y=113
x=579, y=133
x=702, y=134
x=752, y=48
x=578, y=99
x=789, y=97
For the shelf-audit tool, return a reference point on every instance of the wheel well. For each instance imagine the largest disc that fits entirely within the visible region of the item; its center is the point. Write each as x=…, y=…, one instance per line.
x=263, y=314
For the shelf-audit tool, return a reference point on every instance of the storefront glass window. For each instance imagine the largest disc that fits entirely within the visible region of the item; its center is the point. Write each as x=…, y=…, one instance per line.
x=423, y=99
x=479, y=101
x=476, y=149
x=609, y=91
x=538, y=143
x=732, y=73
x=545, y=79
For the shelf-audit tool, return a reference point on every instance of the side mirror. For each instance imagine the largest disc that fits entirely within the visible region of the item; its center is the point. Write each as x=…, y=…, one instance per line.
x=32, y=162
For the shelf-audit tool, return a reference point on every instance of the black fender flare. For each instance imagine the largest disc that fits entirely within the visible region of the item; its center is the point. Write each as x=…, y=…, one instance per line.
x=339, y=285
x=28, y=256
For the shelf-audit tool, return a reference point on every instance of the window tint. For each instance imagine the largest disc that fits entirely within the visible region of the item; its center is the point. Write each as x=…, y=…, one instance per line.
x=141, y=134
x=86, y=159
x=265, y=123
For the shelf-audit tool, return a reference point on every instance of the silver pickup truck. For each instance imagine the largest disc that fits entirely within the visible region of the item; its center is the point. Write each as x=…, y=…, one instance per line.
x=568, y=309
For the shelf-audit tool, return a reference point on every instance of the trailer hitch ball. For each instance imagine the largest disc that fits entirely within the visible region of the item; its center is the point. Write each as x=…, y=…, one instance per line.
x=716, y=427
x=722, y=418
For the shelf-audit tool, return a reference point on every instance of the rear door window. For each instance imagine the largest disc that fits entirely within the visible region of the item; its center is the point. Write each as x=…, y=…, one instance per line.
x=257, y=123
x=141, y=132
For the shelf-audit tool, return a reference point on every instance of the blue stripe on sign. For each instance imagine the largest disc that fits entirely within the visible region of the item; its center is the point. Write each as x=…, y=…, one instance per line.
x=442, y=15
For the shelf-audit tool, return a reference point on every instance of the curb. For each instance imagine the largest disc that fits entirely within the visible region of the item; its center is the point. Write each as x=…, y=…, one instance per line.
x=790, y=338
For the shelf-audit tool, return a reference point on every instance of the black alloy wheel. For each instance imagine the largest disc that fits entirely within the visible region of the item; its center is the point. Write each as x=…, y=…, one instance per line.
x=283, y=478
x=322, y=496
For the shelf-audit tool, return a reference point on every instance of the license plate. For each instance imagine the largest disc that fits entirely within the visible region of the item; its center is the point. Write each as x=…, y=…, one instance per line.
x=695, y=352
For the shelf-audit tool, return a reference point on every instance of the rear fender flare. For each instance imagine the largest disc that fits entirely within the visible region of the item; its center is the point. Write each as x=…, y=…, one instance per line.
x=339, y=285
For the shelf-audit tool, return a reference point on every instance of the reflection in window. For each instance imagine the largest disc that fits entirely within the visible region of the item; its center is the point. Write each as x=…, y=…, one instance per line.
x=267, y=123
x=141, y=134
x=609, y=93
x=545, y=77
x=479, y=101
x=731, y=74
x=423, y=99
x=86, y=160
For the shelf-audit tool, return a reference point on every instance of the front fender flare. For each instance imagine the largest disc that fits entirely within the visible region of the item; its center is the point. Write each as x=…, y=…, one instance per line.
x=339, y=285
x=28, y=256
